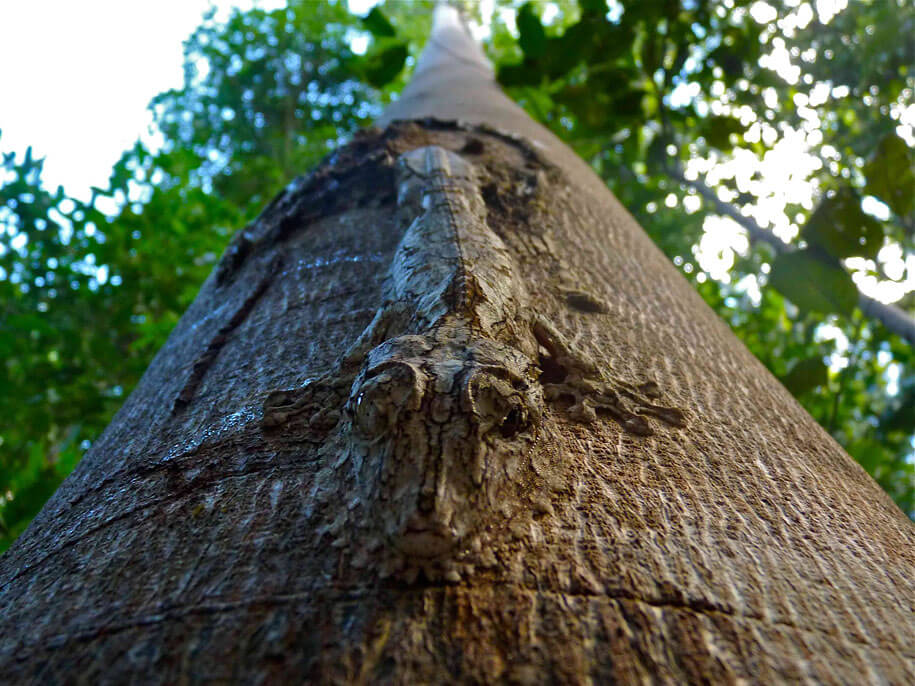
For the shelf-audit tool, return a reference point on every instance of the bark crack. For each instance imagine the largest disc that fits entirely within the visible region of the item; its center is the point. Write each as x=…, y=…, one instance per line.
x=208, y=357
x=176, y=611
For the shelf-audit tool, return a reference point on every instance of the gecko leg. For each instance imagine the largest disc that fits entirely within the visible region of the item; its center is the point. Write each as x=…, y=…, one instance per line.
x=322, y=398
x=572, y=376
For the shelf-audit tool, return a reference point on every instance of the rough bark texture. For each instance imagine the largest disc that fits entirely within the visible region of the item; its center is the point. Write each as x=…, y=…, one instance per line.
x=444, y=413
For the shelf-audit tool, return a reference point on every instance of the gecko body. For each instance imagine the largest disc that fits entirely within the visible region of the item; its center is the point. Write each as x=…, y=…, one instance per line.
x=438, y=404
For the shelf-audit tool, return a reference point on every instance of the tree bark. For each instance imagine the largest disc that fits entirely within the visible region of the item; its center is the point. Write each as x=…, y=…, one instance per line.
x=445, y=413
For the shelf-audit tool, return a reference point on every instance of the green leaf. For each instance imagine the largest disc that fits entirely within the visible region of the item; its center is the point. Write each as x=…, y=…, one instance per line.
x=717, y=131
x=382, y=65
x=890, y=174
x=868, y=454
x=524, y=74
x=378, y=25
x=728, y=60
x=901, y=417
x=806, y=375
x=841, y=228
x=596, y=7
x=565, y=51
x=813, y=284
x=629, y=103
x=532, y=37
x=611, y=78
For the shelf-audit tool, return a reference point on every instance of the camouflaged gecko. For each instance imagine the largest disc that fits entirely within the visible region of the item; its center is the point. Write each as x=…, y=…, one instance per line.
x=440, y=398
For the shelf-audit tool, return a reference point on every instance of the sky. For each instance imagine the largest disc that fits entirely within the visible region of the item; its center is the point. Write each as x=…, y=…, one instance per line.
x=76, y=77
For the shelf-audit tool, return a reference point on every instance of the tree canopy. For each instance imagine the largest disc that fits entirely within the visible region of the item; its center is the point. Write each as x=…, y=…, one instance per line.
x=794, y=118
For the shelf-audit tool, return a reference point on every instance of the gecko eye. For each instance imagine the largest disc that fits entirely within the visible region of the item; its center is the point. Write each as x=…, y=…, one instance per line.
x=382, y=396
x=499, y=405
x=514, y=422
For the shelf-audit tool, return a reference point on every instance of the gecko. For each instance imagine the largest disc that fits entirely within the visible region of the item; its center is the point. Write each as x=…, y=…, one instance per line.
x=438, y=403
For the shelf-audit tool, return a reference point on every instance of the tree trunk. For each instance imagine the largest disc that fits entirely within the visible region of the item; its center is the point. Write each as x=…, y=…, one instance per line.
x=444, y=412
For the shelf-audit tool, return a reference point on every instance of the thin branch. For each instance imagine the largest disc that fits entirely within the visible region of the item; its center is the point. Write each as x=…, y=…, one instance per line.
x=893, y=318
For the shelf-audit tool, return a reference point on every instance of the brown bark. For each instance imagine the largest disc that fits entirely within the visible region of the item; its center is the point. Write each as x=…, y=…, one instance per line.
x=225, y=529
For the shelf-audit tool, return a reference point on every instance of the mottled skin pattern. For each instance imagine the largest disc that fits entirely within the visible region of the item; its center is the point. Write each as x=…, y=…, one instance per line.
x=454, y=369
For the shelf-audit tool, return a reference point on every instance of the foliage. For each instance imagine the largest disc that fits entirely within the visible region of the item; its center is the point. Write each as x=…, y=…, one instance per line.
x=647, y=91
x=55, y=340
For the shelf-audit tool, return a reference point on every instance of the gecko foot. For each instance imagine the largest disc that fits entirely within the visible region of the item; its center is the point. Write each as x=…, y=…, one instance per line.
x=569, y=375
x=590, y=400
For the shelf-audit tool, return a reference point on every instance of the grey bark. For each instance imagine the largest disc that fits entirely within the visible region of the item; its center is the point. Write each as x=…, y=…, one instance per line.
x=445, y=413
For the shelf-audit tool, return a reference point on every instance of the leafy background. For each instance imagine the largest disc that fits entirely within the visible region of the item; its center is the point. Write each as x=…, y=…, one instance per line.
x=664, y=98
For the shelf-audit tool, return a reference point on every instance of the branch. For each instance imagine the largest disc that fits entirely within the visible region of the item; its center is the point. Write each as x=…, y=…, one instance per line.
x=893, y=318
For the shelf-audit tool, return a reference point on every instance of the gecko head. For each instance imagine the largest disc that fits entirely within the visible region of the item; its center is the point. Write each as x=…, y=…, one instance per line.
x=440, y=436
